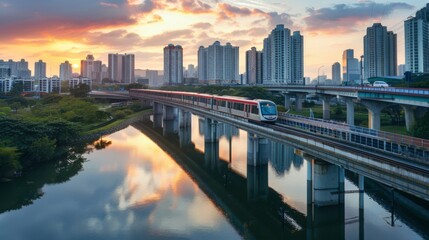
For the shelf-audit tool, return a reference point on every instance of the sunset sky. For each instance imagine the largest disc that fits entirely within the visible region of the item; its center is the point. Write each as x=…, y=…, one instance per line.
x=59, y=30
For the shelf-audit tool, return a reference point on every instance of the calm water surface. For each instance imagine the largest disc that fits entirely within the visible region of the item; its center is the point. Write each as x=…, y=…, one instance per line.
x=134, y=189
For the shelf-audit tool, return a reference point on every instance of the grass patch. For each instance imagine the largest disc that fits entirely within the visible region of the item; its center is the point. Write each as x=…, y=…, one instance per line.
x=114, y=123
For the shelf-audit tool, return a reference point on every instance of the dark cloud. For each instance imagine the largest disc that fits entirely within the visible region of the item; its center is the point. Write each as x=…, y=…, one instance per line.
x=118, y=38
x=275, y=18
x=343, y=18
x=165, y=38
x=61, y=18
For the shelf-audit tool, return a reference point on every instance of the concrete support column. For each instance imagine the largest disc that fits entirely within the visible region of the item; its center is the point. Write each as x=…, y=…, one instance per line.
x=410, y=119
x=361, y=191
x=341, y=173
x=169, y=113
x=326, y=181
x=350, y=111
x=184, y=119
x=157, y=108
x=211, y=144
x=299, y=98
x=257, y=150
x=326, y=100
x=361, y=208
x=287, y=101
x=185, y=128
x=210, y=130
x=374, y=112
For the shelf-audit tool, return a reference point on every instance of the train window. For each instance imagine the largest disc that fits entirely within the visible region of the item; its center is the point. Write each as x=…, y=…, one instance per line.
x=255, y=109
x=268, y=108
x=221, y=103
x=238, y=106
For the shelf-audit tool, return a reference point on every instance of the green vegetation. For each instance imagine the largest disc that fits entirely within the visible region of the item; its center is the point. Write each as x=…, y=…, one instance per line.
x=421, y=128
x=415, y=81
x=34, y=131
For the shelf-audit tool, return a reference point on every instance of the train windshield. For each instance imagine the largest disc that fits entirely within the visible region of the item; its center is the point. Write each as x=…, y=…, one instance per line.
x=268, y=108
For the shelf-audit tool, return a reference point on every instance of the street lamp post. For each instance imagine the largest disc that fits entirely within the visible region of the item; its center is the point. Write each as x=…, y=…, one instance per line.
x=361, y=71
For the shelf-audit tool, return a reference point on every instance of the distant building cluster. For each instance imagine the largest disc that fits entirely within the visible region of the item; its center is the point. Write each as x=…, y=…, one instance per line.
x=281, y=61
x=218, y=63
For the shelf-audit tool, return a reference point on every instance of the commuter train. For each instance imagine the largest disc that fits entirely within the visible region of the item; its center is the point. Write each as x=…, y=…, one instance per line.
x=257, y=110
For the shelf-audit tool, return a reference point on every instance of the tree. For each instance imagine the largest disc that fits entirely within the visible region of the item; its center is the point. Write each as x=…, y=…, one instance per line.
x=9, y=161
x=17, y=89
x=134, y=86
x=421, y=127
x=81, y=91
x=15, y=106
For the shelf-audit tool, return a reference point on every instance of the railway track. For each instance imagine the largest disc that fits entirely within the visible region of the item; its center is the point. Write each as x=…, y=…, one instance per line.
x=350, y=147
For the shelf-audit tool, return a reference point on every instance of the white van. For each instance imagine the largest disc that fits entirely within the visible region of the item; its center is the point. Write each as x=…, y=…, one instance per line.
x=380, y=84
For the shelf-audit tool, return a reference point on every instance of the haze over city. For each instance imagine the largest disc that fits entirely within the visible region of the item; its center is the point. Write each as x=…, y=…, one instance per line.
x=60, y=30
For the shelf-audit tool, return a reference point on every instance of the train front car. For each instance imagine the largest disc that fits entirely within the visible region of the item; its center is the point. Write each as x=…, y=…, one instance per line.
x=268, y=111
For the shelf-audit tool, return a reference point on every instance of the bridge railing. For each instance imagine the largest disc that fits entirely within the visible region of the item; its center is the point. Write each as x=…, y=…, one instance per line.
x=400, y=144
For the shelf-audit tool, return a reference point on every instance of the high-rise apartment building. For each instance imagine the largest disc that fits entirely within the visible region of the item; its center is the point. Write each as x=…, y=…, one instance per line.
x=417, y=42
x=128, y=68
x=173, y=64
x=283, y=57
x=253, y=66
x=401, y=69
x=218, y=63
x=380, y=52
x=351, y=68
x=91, y=69
x=66, y=71
x=121, y=67
x=336, y=73
x=17, y=69
x=39, y=70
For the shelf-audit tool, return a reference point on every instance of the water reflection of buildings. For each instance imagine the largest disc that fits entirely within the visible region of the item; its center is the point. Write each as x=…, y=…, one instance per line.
x=325, y=181
x=282, y=157
x=222, y=129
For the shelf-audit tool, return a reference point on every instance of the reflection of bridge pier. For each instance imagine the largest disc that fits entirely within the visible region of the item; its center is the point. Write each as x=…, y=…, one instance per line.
x=325, y=200
x=257, y=167
x=170, y=121
x=211, y=143
x=157, y=115
x=184, y=128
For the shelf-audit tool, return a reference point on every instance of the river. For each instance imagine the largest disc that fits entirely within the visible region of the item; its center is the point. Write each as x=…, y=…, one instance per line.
x=143, y=186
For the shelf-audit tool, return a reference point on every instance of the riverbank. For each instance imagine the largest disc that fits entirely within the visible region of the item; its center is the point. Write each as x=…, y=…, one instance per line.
x=94, y=134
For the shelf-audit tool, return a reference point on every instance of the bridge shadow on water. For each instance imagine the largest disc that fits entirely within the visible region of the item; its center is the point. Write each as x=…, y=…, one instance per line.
x=256, y=216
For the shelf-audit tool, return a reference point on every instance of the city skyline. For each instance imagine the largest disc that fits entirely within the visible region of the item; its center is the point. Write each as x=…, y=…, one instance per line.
x=62, y=31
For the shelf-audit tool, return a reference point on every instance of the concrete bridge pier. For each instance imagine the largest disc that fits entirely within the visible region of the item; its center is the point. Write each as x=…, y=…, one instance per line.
x=157, y=115
x=350, y=105
x=211, y=144
x=157, y=108
x=299, y=98
x=326, y=181
x=257, y=150
x=361, y=208
x=257, y=167
x=410, y=117
x=184, y=119
x=326, y=101
x=287, y=101
x=185, y=128
x=374, y=113
x=170, y=121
